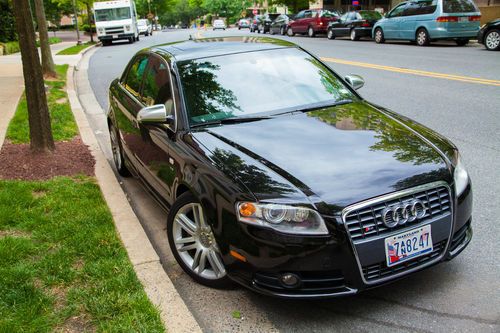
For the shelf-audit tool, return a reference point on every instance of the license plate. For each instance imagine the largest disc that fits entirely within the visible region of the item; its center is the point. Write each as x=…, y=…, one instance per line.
x=115, y=36
x=408, y=245
x=463, y=19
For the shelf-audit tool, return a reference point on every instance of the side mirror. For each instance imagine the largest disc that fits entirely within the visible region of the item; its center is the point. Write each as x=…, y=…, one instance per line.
x=156, y=114
x=355, y=81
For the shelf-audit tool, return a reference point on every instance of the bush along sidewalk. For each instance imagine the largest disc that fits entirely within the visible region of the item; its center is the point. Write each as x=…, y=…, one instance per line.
x=13, y=47
x=62, y=265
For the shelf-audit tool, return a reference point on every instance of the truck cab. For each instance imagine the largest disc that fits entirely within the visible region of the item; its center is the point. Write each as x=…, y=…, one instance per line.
x=116, y=20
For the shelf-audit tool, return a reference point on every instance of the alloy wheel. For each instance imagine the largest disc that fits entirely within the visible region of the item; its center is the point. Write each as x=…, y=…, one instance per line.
x=310, y=32
x=330, y=35
x=492, y=40
x=422, y=38
x=379, y=36
x=353, y=34
x=290, y=32
x=282, y=31
x=115, y=149
x=195, y=243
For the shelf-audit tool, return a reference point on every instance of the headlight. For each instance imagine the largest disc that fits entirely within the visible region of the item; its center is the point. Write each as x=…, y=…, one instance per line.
x=127, y=27
x=461, y=177
x=283, y=218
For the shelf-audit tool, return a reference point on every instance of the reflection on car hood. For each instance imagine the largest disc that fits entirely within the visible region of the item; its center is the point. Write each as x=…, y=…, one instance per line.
x=337, y=155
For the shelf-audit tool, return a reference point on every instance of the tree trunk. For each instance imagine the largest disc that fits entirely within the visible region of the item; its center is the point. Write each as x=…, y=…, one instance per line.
x=47, y=61
x=89, y=19
x=38, y=112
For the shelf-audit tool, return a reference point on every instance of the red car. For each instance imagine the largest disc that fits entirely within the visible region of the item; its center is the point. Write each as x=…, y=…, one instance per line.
x=312, y=22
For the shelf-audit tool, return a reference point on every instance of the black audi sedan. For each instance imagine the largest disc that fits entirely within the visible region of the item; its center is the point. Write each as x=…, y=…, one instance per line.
x=489, y=35
x=354, y=24
x=291, y=184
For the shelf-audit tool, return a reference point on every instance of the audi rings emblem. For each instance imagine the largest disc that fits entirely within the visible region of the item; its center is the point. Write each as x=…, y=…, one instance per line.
x=402, y=213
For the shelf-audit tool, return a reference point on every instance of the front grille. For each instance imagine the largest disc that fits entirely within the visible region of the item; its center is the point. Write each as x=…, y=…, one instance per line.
x=114, y=30
x=366, y=223
x=312, y=283
x=380, y=270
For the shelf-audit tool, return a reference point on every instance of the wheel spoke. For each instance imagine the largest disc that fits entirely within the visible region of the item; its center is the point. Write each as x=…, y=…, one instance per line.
x=203, y=261
x=199, y=218
x=185, y=222
x=196, y=260
x=215, y=262
x=184, y=240
x=188, y=247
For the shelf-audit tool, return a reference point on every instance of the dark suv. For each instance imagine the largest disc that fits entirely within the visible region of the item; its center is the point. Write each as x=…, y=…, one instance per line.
x=311, y=22
x=264, y=22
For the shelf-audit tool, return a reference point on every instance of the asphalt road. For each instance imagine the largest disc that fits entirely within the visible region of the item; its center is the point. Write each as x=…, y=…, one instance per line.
x=455, y=91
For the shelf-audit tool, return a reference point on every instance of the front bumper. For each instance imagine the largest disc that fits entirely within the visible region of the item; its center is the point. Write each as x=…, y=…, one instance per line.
x=335, y=265
x=116, y=37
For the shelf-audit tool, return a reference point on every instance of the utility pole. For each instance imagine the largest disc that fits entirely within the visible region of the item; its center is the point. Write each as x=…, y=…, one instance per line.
x=79, y=42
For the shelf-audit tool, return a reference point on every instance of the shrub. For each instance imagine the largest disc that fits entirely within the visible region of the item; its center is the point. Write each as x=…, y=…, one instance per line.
x=86, y=28
x=7, y=23
x=11, y=47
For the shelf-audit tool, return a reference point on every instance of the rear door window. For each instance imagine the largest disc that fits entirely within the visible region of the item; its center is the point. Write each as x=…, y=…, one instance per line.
x=459, y=6
x=135, y=74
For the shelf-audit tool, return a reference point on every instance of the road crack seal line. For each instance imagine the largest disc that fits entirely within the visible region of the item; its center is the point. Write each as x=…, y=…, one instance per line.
x=433, y=312
x=452, y=77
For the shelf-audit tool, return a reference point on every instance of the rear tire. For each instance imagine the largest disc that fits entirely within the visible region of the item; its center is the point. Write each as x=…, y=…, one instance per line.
x=353, y=35
x=330, y=34
x=462, y=41
x=422, y=37
x=310, y=32
x=282, y=31
x=379, y=36
x=192, y=243
x=492, y=40
x=117, y=151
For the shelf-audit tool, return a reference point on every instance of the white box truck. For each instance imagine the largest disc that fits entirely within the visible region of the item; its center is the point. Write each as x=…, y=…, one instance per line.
x=116, y=20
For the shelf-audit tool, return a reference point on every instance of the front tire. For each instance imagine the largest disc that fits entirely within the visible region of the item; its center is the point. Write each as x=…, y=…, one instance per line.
x=423, y=37
x=330, y=34
x=492, y=40
x=379, y=36
x=290, y=32
x=282, y=31
x=193, y=244
x=310, y=32
x=116, y=149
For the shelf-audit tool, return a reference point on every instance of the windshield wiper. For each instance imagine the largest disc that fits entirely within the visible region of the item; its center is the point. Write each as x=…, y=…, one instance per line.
x=232, y=120
x=316, y=106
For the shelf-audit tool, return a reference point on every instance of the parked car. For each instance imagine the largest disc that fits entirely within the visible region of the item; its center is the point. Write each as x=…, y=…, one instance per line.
x=264, y=22
x=355, y=24
x=311, y=21
x=244, y=24
x=145, y=28
x=280, y=24
x=430, y=20
x=308, y=191
x=489, y=35
x=219, y=24
x=254, y=23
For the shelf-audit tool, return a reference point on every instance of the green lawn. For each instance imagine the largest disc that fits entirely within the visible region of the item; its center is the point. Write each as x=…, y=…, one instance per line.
x=62, y=266
x=75, y=49
x=63, y=124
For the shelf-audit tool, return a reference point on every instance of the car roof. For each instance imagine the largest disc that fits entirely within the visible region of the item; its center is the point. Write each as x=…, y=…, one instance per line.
x=211, y=47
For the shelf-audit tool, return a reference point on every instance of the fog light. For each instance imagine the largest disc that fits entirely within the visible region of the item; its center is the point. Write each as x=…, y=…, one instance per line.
x=290, y=280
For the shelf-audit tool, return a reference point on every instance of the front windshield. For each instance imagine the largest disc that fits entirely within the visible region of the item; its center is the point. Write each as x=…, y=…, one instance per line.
x=142, y=22
x=242, y=85
x=112, y=14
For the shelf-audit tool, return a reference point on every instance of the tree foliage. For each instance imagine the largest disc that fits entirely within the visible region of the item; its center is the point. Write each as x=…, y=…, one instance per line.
x=7, y=23
x=294, y=6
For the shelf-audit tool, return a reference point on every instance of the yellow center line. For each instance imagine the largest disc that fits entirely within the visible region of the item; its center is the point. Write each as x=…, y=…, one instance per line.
x=415, y=72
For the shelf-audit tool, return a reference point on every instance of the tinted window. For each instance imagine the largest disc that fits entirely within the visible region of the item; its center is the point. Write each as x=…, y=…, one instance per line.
x=135, y=73
x=282, y=79
x=398, y=11
x=459, y=6
x=308, y=14
x=300, y=15
x=421, y=8
x=370, y=15
x=156, y=87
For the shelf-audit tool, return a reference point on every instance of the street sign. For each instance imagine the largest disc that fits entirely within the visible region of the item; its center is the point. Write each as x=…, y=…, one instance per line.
x=355, y=2
x=255, y=11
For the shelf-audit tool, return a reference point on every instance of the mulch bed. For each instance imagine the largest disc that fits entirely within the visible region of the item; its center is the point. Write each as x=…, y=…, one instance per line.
x=70, y=158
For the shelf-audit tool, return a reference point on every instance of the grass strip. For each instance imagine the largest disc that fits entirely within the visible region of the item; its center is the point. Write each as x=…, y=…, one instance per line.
x=75, y=49
x=62, y=266
x=64, y=127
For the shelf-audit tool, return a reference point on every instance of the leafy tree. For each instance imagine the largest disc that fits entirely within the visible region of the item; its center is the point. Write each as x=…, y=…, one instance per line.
x=41, y=139
x=7, y=23
x=226, y=8
x=293, y=5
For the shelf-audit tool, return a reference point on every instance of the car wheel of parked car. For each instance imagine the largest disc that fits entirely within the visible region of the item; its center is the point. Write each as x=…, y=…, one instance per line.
x=131, y=40
x=492, y=40
x=310, y=32
x=353, y=35
x=290, y=32
x=271, y=32
x=193, y=244
x=116, y=149
x=379, y=36
x=106, y=43
x=462, y=41
x=282, y=31
x=422, y=37
x=330, y=34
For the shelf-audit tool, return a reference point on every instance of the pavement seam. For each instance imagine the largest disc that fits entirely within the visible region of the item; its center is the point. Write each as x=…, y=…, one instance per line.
x=157, y=285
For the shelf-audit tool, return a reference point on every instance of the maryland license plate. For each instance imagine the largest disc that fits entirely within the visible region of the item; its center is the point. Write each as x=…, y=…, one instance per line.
x=408, y=245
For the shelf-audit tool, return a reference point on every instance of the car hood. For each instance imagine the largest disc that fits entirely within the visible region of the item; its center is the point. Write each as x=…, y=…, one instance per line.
x=330, y=158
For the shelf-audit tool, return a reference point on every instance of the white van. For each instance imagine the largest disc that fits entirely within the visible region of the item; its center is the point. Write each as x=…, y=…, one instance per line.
x=116, y=20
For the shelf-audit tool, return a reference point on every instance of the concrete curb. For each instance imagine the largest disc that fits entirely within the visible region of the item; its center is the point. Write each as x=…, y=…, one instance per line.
x=158, y=286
